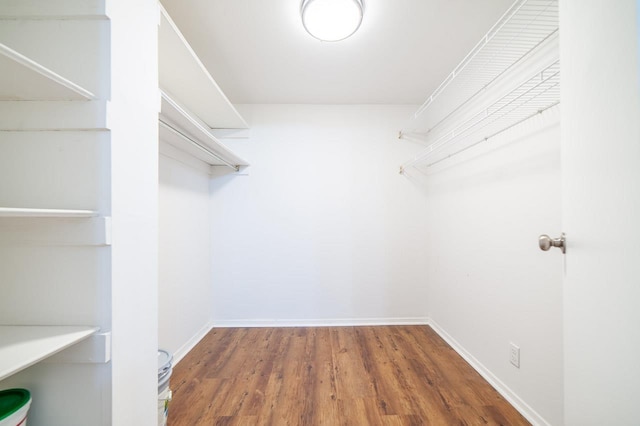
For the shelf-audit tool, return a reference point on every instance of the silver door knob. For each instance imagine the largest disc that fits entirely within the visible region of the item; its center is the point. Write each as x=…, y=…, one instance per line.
x=546, y=242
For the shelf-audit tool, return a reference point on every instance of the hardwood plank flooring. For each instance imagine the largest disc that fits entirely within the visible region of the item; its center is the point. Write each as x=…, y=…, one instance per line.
x=326, y=376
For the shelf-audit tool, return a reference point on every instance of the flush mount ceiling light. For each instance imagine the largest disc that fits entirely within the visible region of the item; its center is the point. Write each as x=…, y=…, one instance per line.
x=331, y=20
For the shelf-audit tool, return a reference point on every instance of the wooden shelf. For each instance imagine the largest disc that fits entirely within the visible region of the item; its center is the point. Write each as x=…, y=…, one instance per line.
x=25, y=79
x=187, y=130
x=58, y=227
x=183, y=75
x=51, y=213
x=22, y=346
x=54, y=9
x=53, y=116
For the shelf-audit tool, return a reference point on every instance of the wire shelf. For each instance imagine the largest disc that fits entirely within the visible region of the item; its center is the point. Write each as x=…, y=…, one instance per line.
x=524, y=27
x=534, y=96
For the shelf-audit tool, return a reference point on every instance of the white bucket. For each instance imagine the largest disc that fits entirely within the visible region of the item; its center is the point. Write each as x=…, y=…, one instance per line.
x=164, y=393
x=163, y=406
x=15, y=405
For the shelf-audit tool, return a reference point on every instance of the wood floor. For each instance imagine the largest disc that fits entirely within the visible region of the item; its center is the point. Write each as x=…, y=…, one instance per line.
x=391, y=375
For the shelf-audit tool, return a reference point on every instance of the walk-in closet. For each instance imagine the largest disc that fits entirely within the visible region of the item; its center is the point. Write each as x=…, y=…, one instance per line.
x=427, y=218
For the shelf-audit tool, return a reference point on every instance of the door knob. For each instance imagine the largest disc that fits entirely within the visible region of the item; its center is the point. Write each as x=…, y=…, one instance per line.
x=546, y=242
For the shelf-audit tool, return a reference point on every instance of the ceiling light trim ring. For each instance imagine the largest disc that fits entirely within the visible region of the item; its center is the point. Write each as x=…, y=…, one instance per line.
x=358, y=3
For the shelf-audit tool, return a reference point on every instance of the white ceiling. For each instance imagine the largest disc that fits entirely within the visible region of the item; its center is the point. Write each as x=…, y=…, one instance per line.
x=259, y=52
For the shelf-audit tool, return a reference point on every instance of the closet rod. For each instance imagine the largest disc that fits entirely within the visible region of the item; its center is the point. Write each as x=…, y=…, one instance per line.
x=197, y=145
x=521, y=96
x=486, y=138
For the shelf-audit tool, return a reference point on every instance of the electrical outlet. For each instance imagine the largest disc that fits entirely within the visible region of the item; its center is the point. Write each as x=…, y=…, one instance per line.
x=514, y=355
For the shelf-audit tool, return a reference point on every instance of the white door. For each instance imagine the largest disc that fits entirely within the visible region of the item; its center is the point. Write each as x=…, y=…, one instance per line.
x=601, y=210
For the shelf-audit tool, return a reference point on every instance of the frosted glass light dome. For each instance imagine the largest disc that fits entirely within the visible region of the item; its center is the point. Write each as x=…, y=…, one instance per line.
x=331, y=20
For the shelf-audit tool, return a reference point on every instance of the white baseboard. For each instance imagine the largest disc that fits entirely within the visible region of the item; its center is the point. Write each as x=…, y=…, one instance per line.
x=191, y=343
x=328, y=322
x=529, y=413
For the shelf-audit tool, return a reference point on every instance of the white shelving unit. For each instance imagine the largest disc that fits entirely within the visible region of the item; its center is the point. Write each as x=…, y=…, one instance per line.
x=23, y=346
x=60, y=227
x=49, y=213
x=53, y=102
x=511, y=75
x=25, y=79
x=180, y=128
x=183, y=75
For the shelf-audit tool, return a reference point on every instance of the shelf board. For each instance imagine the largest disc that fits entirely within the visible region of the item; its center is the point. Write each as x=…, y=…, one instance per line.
x=189, y=126
x=182, y=74
x=57, y=230
x=25, y=79
x=23, y=346
x=53, y=9
x=53, y=116
x=50, y=213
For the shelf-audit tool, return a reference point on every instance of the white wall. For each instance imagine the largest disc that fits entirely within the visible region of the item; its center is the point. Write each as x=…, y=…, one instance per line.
x=489, y=283
x=323, y=229
x=184, y=282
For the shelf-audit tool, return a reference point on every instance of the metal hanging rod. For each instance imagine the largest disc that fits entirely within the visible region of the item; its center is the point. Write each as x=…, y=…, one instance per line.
x=197, y=145
x=486, y=138
x=534, y=96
